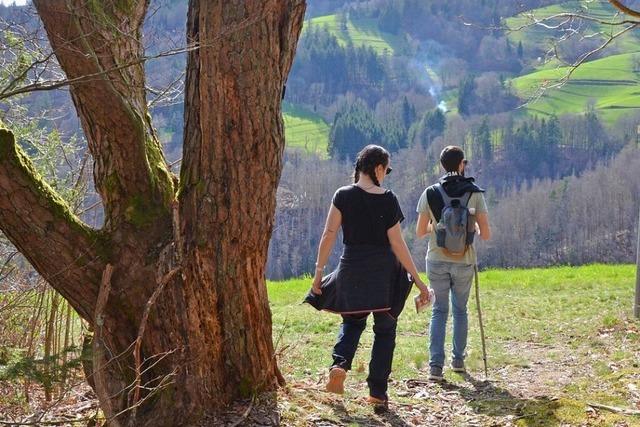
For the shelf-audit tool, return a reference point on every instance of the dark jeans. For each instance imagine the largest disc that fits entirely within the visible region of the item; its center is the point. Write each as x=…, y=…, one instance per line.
x=384, y=329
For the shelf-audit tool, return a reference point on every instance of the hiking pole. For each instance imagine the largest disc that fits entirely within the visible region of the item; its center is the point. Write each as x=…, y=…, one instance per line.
x=484, y=346
x=636, y=305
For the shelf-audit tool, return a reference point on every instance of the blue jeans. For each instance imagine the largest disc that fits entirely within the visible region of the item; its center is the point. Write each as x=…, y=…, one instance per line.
x=384, y=342
x=449, y=278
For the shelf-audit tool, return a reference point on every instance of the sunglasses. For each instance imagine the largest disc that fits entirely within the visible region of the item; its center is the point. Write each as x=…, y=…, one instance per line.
x=389, y=170
x=465, y=162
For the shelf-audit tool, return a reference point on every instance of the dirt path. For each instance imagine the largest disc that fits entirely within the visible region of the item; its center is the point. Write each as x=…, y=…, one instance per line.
x=514, y=393
x=528, y=395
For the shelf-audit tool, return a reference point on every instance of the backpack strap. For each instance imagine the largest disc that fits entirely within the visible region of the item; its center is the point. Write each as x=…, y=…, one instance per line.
x=468, y=198
x=434, y=202
x=447, y=200
x=445, y=197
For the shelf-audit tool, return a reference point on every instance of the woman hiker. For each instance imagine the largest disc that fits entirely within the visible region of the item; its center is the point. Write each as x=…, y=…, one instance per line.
x=372, y=274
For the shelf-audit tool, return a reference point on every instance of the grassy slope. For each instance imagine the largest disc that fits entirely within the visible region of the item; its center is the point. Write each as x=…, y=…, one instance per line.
x=609, y=82
x=305, y=130
x=360, y=32
x=580, y=313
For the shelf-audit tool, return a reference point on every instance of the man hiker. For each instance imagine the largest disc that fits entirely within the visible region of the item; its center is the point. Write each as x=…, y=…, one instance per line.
x=452, y=212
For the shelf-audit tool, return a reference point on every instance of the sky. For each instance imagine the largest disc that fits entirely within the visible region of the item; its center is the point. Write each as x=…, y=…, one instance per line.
x=18, y=2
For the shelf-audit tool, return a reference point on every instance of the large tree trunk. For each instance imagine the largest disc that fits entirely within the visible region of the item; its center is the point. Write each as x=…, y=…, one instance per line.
x=173, y=284
x=231, y=167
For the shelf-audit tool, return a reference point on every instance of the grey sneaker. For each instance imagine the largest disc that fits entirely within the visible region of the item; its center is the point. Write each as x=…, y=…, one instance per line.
x=457, y=365
x=435, y=373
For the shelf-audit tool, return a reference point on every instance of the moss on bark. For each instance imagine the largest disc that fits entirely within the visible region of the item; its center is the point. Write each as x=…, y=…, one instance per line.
x=57, y=206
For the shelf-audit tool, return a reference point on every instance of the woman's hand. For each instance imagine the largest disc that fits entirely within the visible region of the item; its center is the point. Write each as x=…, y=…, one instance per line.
x=424, y=290
x=316, y=285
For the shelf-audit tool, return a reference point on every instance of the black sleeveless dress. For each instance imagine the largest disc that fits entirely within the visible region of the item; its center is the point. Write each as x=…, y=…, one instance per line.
x=369, y=277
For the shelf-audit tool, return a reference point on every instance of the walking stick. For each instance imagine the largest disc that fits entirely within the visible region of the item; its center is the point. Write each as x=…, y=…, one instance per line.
x=484, y=346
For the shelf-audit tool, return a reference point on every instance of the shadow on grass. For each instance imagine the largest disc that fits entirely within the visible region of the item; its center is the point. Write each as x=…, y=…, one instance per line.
x=387, y=417
x=487, y=399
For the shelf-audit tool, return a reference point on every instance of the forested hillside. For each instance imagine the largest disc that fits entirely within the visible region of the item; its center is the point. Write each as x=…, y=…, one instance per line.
x=161, y=160
x=414, y=76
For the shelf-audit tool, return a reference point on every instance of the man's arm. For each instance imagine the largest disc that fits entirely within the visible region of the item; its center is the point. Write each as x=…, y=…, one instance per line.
x=482, y=217
x=423, y=227
x=482, y=220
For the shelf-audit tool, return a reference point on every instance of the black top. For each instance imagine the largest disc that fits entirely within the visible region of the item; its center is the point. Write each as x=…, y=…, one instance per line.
x=366, y=217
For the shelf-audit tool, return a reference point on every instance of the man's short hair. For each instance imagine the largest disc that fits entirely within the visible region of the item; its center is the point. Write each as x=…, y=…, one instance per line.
x=451, y=157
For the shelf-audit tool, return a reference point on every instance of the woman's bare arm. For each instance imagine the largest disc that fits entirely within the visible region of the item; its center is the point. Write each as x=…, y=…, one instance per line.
x=329, y=235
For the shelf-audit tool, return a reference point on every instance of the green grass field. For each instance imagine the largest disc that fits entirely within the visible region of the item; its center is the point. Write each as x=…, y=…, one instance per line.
x=558, y=339
x=539, y=36
x=610, y=83
x=360, y=32
x=305, y=130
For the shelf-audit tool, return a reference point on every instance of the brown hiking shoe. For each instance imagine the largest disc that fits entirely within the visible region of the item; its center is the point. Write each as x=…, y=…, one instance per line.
x=376, y=401
x=379, y=405
x=336, y=380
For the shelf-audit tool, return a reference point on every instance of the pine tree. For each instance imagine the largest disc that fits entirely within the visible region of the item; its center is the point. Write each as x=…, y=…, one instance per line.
x=431, y=125
x=353, y=128
x=407, y=113
x=466, y=95
x=520, y=50
x=483, y=140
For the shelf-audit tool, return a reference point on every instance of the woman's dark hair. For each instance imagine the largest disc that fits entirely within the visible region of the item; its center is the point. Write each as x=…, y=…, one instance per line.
x=368, y=160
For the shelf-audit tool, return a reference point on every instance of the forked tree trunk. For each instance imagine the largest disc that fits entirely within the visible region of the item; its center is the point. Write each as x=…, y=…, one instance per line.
x=174, y=284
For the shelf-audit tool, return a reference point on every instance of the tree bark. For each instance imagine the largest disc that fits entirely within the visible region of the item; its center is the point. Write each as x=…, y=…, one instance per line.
x=231, y=167
x=66, y=252
x=91, y=37
x=625, y=9
x=181, y=316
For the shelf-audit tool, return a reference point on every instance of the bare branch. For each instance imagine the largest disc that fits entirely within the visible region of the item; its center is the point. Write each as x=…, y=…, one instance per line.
x=48, y=85
x=143, y=324
x=624, y=9
x=548, y=22
x=39, y=86
x=99, y=354
x=584, y=58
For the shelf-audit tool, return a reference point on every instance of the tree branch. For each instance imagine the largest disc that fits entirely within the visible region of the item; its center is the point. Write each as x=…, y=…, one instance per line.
x=64, y=250
x=10, y=90
x=103, y=40
x=573, y=67
x=624, y=9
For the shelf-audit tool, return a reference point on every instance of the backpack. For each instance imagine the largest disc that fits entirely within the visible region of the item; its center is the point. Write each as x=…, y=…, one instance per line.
x=456, y=229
